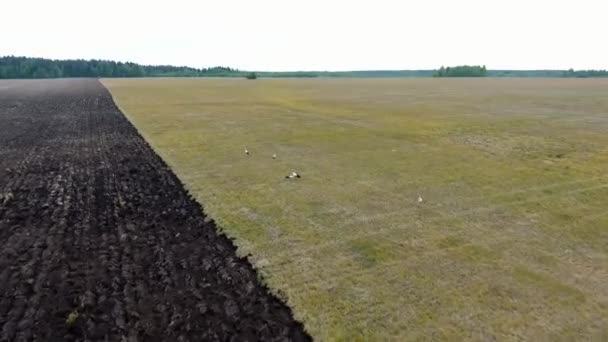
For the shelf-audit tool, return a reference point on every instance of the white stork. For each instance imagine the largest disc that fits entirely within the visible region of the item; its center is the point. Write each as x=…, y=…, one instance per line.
x=292, y=175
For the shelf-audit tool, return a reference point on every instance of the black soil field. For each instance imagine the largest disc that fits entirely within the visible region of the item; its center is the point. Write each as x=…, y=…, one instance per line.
x=100, y=241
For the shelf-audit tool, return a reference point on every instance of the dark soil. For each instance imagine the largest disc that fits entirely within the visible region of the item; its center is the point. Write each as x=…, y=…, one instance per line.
x=100, y=241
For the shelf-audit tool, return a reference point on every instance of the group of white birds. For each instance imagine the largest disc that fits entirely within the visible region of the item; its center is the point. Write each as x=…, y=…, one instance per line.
x=292, y=175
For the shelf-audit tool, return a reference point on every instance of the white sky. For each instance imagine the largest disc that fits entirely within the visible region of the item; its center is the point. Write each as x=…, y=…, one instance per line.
x=313, y=34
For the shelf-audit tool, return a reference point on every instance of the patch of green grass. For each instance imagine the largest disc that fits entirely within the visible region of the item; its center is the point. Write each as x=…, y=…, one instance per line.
x=508, y=243
x=549, y=286
x=369, y=252
x=478, y=254
x=450, y=242
x=72, y=318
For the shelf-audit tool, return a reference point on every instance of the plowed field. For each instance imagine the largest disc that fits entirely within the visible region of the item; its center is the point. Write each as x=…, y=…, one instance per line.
x=100, y=241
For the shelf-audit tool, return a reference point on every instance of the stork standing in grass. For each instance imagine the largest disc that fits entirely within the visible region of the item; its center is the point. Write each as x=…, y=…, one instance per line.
x=246, y=151
x=420, y=200
x=274, y=156
x=293, y=175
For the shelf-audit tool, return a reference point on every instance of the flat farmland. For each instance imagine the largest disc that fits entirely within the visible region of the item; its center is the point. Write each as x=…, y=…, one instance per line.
x=427, y=208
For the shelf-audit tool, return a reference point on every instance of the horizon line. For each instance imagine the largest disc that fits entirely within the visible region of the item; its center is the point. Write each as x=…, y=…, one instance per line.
x=295, y=71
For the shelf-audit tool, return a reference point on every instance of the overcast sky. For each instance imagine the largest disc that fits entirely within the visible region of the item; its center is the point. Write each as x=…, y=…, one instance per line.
x=313, y=34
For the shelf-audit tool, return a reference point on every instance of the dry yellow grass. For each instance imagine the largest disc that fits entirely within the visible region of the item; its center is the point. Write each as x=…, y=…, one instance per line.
x=510, y=242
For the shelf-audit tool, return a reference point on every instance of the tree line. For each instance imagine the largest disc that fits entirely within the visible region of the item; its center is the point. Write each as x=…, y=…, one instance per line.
x=481, y=71
x=585, y=73
x=462, y=71
x=25, y=67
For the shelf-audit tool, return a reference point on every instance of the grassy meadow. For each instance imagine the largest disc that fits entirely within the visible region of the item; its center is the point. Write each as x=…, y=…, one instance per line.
x=510, y=241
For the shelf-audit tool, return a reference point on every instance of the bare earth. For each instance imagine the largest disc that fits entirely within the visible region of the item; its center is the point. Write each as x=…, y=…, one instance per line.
x=98, y=238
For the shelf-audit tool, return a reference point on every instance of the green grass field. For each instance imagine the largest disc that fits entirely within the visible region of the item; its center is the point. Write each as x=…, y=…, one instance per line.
x=510, y=242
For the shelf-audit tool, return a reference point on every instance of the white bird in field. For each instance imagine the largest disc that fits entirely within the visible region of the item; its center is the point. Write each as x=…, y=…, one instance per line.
x=246, y=151
x=274, y=156
x=420, y=200
x=292, y=175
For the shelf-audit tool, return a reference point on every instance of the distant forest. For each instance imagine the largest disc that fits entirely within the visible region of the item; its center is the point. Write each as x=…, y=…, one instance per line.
x=481, y=71
x=25, y=67
x=462, y=71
